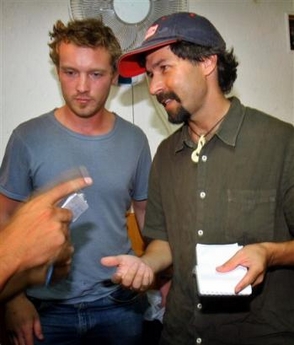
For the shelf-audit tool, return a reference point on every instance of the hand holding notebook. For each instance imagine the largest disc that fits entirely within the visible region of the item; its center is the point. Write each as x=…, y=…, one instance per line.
x=209, y=280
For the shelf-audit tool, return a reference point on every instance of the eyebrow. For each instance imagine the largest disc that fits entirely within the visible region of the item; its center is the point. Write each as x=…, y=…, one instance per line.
x=98, y=69
x=156, y=64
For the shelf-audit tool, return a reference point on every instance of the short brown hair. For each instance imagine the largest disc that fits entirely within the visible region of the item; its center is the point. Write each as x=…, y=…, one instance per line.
x=89, y=32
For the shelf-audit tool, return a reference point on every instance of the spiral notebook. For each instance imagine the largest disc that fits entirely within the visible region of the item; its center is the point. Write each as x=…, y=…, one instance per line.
x=211, y=282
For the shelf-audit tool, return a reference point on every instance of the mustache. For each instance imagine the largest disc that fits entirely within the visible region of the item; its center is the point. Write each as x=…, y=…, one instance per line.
x=163, y=97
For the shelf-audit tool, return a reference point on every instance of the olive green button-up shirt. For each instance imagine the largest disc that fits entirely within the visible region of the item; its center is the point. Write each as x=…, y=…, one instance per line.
x=241, y=190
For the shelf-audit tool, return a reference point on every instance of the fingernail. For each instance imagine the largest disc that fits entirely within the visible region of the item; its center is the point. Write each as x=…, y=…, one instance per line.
x=88, y=180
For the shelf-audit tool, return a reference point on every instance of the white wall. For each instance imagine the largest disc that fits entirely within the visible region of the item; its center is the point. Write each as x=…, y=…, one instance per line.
x=256, y=29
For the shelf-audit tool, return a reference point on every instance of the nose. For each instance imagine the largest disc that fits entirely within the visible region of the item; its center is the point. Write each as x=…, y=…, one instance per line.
x=155, y=85
x=82, y=83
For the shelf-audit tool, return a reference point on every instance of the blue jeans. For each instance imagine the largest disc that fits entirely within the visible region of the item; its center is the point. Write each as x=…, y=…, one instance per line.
x=114, y=320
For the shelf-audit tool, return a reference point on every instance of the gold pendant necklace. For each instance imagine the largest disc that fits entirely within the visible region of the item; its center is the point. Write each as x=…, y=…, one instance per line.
x=202, y=141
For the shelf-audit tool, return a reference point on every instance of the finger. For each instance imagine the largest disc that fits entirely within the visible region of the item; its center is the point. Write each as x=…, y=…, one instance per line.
x=27, y=338
x=16, y=341
x=65, y=255
x=130, y=275
x=13, y=338
x=38, y=330
x=60, y=191
x=20, y=339
x=141, y=279
x=229, y=265
x=147, y=280
x=116, y=278
x=16, y=337
x=240, y=286
x=110, y=261
x=119, y=277
x=243, y=283
x=65, y=216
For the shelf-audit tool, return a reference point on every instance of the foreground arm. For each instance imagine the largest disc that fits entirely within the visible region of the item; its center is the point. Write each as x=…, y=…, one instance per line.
x=37, y=275
x=36, y=253
x=22, y=319
x=257, y=258
x=37, y=233
x=138, y=272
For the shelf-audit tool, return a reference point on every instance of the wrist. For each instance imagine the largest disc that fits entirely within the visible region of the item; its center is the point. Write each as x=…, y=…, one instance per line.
x=279, y=253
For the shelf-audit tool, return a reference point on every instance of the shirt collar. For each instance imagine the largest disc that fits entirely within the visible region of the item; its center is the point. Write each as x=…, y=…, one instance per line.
x=227, y=132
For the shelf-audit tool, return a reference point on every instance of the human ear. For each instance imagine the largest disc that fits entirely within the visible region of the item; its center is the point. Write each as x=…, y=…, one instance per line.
x=57, y=72
x=115, y=78
x=209, y=64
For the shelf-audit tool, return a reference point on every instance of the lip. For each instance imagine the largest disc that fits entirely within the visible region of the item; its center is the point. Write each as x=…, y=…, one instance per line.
x=166, y=103
x=83, y=99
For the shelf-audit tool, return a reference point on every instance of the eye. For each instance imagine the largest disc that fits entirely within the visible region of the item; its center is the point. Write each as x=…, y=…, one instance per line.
x=96, y=75
x=163, y=68
x=69, y=72
x=149, y=74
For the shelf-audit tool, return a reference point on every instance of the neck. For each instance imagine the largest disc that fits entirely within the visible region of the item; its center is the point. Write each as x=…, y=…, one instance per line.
x=97, y=124
x=207, y=123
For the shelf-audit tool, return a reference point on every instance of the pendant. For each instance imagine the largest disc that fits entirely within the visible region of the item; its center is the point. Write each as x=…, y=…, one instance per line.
x=196, y=153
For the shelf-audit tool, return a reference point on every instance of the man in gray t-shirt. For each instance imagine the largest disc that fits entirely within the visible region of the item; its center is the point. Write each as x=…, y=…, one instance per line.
x=87, y=307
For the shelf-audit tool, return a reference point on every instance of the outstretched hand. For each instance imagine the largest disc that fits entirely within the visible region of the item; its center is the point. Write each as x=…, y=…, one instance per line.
x=132, y=272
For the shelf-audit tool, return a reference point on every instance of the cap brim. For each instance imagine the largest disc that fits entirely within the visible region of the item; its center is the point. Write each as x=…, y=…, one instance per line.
x=128, y=64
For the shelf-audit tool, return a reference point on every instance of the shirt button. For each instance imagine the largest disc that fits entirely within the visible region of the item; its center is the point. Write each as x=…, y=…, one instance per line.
x=200, y=232
x=198, y=341
x=204, y=158
x=202, y=195
x=199, y=306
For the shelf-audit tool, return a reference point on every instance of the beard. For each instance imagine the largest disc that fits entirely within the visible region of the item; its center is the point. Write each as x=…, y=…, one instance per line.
x=180, y=114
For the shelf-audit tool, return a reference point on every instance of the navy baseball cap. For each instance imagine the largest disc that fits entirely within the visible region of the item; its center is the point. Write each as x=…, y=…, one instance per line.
x=180, y=26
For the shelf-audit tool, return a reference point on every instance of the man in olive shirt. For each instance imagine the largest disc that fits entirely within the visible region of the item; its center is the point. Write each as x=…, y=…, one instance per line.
x=226, y=176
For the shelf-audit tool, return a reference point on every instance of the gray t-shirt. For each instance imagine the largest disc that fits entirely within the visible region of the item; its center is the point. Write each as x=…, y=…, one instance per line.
x=41, y=151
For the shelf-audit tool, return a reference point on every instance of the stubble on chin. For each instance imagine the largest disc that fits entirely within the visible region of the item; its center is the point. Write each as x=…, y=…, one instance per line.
x=81, y=111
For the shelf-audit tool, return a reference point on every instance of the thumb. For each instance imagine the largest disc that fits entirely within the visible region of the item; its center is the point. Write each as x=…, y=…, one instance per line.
x=227, y=266
x=110, y=261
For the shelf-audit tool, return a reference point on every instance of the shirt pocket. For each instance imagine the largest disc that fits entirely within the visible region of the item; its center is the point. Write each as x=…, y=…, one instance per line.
x=250, y=215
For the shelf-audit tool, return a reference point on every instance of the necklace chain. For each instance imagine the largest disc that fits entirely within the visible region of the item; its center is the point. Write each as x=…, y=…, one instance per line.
x=211, y=129
x=202, y=141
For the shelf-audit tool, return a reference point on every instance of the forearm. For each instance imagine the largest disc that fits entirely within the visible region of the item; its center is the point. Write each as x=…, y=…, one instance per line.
x=20, y=281
x=9, y=261
x=279, y=254
x=139, y=210
x=14, y=285
x=158, y=255
x=15, y=301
